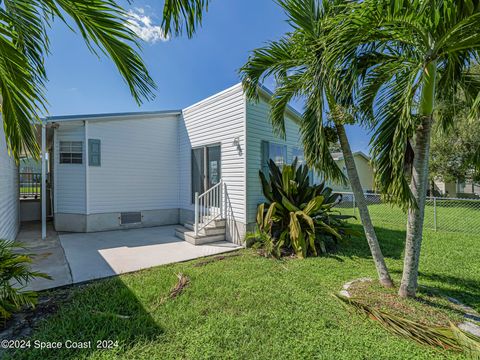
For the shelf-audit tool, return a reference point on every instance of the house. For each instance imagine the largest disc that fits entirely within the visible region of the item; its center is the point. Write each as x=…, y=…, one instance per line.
x=197, y=166
x=455, y=189
x=364, y=169
x=9, y=193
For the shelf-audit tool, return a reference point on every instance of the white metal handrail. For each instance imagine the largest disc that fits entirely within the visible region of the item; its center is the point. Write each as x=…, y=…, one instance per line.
x=209, y=206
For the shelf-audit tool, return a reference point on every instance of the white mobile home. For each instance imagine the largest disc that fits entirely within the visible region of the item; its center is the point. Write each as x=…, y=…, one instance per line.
x=9, y=193
x=197, y=166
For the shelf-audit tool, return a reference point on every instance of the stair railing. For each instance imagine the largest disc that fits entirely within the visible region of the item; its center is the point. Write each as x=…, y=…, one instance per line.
x=209, y=206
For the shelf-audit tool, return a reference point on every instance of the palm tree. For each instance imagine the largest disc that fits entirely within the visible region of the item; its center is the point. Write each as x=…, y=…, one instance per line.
x=420, y=55
x=299, y=70
x=24, y=44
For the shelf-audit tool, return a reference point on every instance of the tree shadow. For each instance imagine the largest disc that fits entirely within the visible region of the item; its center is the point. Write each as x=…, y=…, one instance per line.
x=391, y=242
x=105, y=312
x=465, y=290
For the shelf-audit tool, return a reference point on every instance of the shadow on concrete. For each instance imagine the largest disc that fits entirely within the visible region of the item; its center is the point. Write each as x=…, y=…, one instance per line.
x=103, y=254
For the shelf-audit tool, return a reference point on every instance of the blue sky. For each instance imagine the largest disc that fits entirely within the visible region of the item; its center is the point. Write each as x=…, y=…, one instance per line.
x=185, y=70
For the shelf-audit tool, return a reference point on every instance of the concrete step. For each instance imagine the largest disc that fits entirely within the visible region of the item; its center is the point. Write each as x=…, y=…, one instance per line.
x=208, y=230
x=189, y=236
x=214, y=223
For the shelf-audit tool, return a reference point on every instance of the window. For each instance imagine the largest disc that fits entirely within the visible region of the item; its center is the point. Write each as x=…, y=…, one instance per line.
x=71, y=152
x=276, y=152
x=93, y=152
x=298, y=153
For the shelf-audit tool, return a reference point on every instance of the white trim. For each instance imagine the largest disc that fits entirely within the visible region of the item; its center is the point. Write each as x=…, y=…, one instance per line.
x=44, y=183
x=54, y=165
x=245, y=158
x=87, y=207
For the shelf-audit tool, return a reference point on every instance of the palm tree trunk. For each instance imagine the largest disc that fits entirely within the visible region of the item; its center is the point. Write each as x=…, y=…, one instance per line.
x=370, y=234
x=418, y=186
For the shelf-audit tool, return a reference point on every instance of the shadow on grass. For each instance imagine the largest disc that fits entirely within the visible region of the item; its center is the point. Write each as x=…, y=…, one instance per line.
x=465, y=290
x=106, y=311
x=391, y=241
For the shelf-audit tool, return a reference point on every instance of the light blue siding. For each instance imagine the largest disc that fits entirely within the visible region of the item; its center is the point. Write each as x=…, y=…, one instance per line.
x=259, y=129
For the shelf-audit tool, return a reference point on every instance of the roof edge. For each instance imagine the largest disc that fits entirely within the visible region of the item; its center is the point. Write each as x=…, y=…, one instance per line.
x=108, y=116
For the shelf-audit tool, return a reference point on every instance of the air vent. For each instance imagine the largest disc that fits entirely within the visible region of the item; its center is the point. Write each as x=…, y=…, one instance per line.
x=130, y=218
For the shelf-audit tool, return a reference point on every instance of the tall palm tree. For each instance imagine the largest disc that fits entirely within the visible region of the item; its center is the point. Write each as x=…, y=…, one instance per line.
x=420, y=54
x=296, y=62
x=24, y=44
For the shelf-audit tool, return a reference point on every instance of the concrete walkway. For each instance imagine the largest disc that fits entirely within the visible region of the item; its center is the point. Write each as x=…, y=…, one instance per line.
x=102, y=254
x=72, y=258
x=47, y=255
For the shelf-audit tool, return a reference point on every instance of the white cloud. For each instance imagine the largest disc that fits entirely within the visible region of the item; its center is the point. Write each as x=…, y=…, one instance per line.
x=144, y=27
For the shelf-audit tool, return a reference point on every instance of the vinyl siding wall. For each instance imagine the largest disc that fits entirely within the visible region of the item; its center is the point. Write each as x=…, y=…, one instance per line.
x=259, y=129
x=9, y=195
x=365, y=173
x=139, y=165
x=216, y=120
x=69, y=181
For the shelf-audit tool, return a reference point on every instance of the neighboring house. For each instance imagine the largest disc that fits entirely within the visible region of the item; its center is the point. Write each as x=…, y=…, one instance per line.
x=456, y=189
x=364, y=169
x=116, y=171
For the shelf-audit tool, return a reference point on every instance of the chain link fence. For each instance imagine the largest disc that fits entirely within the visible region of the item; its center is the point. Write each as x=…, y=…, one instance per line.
x=441, y=214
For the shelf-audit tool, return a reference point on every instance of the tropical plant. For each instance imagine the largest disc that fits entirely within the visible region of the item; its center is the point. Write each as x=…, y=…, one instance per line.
x=298, y=217
x=15, y=273
x=419, y=55
x=299, y=70
x=24, y=44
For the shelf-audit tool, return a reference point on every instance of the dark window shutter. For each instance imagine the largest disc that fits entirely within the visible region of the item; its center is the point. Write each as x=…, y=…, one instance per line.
x=94, y=152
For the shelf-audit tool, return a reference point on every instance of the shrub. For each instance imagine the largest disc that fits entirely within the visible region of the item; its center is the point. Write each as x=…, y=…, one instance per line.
x=15, y=274
x=298, y=217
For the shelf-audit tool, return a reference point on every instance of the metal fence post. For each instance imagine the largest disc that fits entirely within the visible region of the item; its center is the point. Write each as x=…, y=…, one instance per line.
x=353, y=197
x=434, y=213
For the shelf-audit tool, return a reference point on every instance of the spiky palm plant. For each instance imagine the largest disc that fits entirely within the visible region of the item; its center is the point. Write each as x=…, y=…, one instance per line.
x=296, y=62
x=419, y=54
x=15, y=273
x=298, y=217
x=24, y=45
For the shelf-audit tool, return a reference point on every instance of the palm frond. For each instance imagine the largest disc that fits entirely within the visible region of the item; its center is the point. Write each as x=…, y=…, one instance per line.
x=179, y=14
x=24, y=45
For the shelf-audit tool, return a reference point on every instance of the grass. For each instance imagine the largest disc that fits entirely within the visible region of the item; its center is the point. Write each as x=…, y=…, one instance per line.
x=428, y=308
x=451, y=216
x=249, y=307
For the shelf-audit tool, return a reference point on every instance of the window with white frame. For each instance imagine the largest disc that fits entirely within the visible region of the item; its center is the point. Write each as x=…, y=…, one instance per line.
x=71, y=152
x=275, y=152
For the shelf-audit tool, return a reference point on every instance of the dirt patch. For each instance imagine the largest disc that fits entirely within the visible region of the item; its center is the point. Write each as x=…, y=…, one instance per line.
x=22, y=323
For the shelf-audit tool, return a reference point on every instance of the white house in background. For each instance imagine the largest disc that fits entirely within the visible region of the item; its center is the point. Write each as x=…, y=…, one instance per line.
x=364, y=168
x=456, y=189
x=117, y=171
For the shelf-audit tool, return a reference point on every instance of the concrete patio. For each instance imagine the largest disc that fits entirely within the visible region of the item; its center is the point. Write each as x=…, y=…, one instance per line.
x=77, y=257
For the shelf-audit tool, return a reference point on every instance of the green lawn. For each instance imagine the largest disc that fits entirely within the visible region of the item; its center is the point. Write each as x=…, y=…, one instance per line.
x=462, y=216
x=249, y=307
